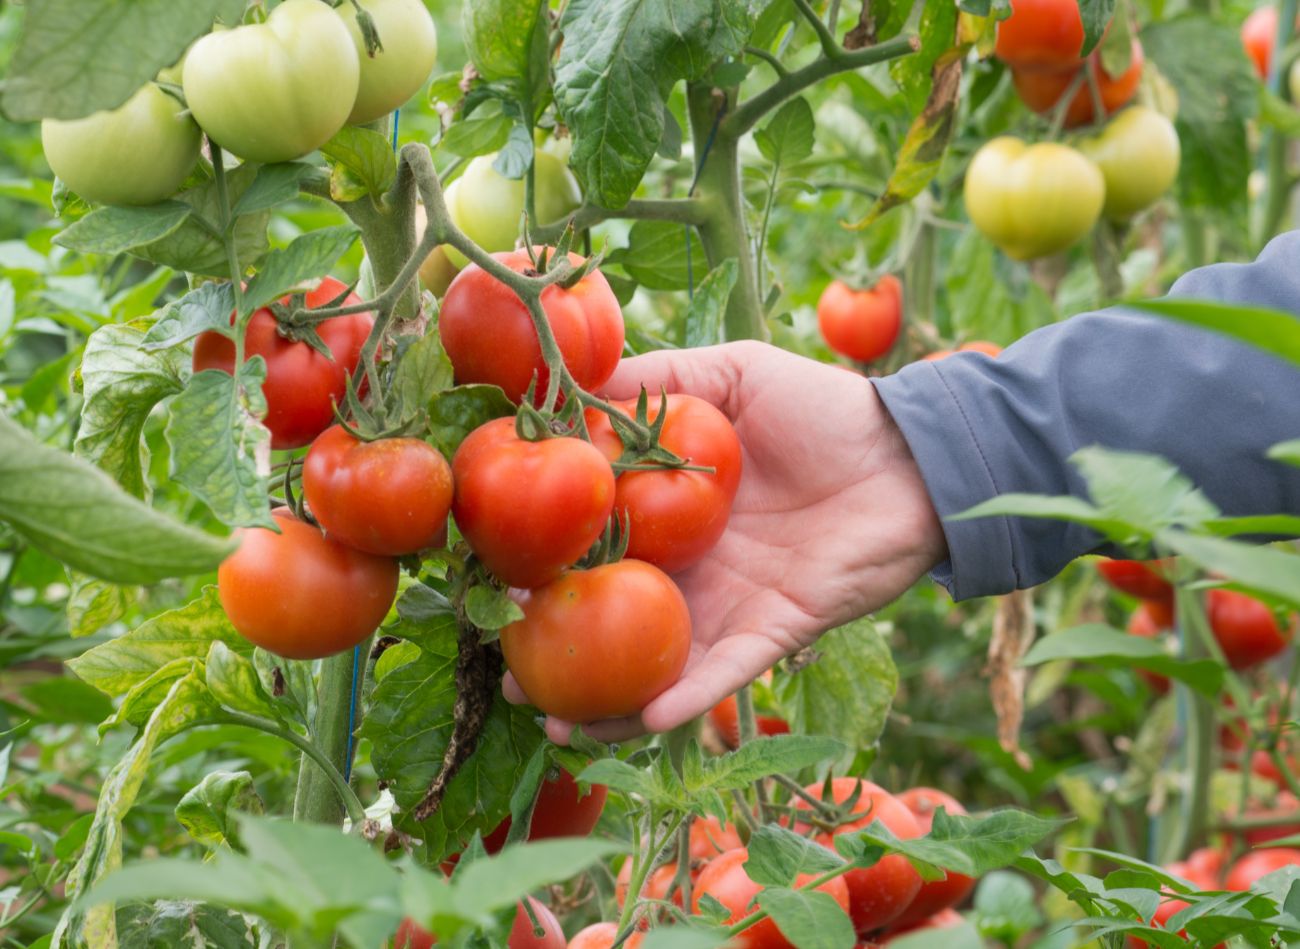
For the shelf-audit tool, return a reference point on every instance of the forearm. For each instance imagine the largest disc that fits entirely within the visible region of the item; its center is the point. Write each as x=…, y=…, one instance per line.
x=981, y=427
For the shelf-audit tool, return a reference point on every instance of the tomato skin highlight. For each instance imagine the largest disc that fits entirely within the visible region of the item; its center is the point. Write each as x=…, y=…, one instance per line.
x=302, y=595
x=389, y=497
x=1245, y=627
x=529, y=509
x=395, y=73
x=935, y=896
x=675, y=518
x=599, y=643
x=302, y=386
x=1043, y=34
x=861, y=324
x=489, y=336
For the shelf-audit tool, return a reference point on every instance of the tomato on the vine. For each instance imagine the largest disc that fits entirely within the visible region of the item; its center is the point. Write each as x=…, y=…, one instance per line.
x=561, y=810
x=390, y=496
x=1042, y=89
x=1144, y=579
x=395, y=72
x=274, y=91
x=861, y=324
x=602, y=936
x=1259, y=863
x=529, y=509
x=302, y=386
x=656, y=887
x=675, y=517
x=411, y=935
x=1041, y=34
x=1138, y=153
x=599, y=643
x=725, y=717
x=138, y=153
x=300, y=594
x=934, y=896
x=1247, y=630
x=1258, y=34
x=490, y=338
x=710, y=837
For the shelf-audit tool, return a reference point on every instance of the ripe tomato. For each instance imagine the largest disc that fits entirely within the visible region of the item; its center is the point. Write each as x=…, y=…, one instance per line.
x=861, y=324
x=879, y=894
x=981, y=346
x=602, y=936
x=725, y=879
x=1042, y=89
x=390, y=496
x=1032, y=200
x=278, y=90
x=599, y=643
x=139, y=153
x=1259, y=863
x=1285, y=805
x=561, y=810
x=726, y=719
x=934, y=896
x=410, y=935
x=300, y=594
x=395, y=73
x=437, y=272
x=1138, y=153
x=710, y=837
x=302, y=386
x=674, y=518
x=1258, y=33
x=489, y=207
x=490, y=338
x=1043, y=34
x=1246, y=629
x=1144, y=579
x=1151, y=618
x=656, y=886
x=529, y=509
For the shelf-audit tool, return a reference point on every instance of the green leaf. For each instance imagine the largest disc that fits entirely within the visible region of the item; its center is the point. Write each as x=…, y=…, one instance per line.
x=1270, y=330
x=1006, y=906
x=120, y=664
x=1115, y=649
x=423, y=370
x=207, y=811
x=778, y=855
x=787, y=137
x=497, y=882
x=232, y=678
x=656, y=255
x=67, y=701
x=919, y=74
x=498, y=35
x=1096, y=16
x=808, y=918
x=961, y=936
x=619, y=61
x=275, y=184
x=469, y=138
x=1264, y=525
x=1288, y=452
x=207, y=307
x=114, y=230
x=178, y=923
x=455, y=413
x=73, y=511
x=220, y=449
x=290, y=685
x=491, y=609
x=847, y=692
x=93, y=604
x=1266, y=570
x=76, y=57
x=763, y=757
x=368, y=158
x=704, y=315
x=121, y=384
x=306, y=258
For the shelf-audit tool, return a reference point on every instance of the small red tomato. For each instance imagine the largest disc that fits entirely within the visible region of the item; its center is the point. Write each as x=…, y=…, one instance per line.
x=489, y=336
x=934, y=896
x=656, y=886
x=602, y=936
x=710, y=837
x=861, y=324
x=726, y=719
x=1144, y=579
x=529, y=509
x=389, y=496
x=1246, y=628
x=300, y=594
x=725, y=879
x=522, y=934
x=1258, y=34
x=1042, y=89
x=561, y=810
x=599, y=643
x=1259, y=863
x=673, y=517
x=302, y=386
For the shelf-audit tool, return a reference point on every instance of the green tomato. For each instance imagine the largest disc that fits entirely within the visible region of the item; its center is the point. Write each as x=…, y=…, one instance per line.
x=395, y=73
x=139, y=153
x=277, y=90
x=489, y=207
x=1138, y=154
x=1032, y=200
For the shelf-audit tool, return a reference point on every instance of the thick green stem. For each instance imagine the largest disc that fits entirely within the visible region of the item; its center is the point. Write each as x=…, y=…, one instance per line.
x=918, y=275
x=317, y=799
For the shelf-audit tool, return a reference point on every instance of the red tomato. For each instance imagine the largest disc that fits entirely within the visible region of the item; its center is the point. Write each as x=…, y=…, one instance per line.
x=1201, y=869
x=1043, y=34
x=1259, y=863
x=490, y=338
x=1285, y=805
x=300, y=594
x=879, y=894
x=936, y=895
x=561, y=810
x=529, y=509
x=599, y=643
x=1042, y=89
x=1246, y=628
x=1258, y=33
x=1150, y=619
x=709, y=837
x=944, y=919
x=656, y=886
x=676, y=517
x=726, y=719
x=602, y=936
x=1144, y=579
x=389, y=496
x=861, y=324
x=522, y=935
x=1205, y=867
x=725, y=879
x=302, y=386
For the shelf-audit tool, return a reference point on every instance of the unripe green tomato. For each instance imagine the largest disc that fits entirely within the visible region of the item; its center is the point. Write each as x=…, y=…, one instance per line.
x=1138, y=154
x=1032, y=200
x=489, y=207
x=275, y=91
x=139, y=153
x=396, y=72
x=1293, y=81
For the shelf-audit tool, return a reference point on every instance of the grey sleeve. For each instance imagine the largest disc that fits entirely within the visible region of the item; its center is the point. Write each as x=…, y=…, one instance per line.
x=980, y=427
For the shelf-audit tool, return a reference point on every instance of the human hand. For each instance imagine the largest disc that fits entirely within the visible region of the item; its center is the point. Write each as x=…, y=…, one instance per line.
x=831, y=521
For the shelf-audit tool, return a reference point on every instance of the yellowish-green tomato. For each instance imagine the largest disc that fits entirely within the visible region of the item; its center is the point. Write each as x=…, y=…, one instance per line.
x=275, y=91
x=139, y=153
x=1138, y=154
x=489, y=207
x=395, y=73
x=437, y=270
x=1032, y=200
x=1293, y=81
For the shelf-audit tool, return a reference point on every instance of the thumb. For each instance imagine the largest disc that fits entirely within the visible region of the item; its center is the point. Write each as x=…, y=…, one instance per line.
x=709, y=373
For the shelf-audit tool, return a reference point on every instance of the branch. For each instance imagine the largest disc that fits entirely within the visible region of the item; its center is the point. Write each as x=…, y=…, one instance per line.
x=747, y=115
x=824, y=35
x=769, y=58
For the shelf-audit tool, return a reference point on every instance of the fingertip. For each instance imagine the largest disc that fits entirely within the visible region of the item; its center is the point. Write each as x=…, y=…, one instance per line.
x=511, y=690
x=558, y=731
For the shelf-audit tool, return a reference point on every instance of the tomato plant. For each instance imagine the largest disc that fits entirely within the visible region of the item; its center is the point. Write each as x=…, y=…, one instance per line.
x=1258, y=34
x=561, y=810
x=861, y=324
x=397, y=70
